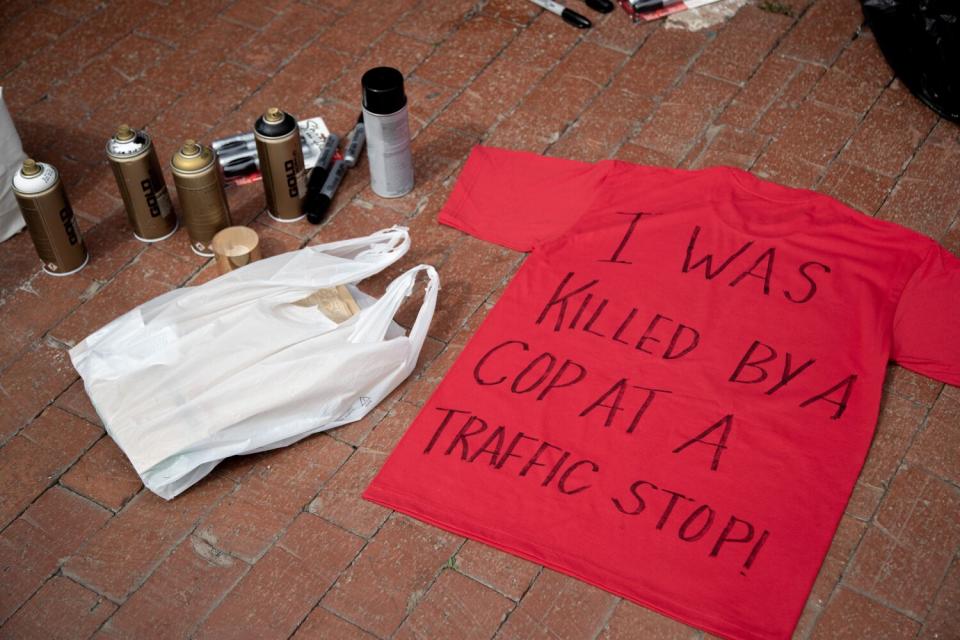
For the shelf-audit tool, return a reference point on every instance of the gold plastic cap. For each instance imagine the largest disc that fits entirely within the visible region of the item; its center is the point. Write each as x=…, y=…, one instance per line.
x=30, y=167
x=124, y=133
x=192, y=156
x=273, y=114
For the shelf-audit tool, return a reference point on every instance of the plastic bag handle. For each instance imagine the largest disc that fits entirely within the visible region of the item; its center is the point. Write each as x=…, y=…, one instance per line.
x=374, y=321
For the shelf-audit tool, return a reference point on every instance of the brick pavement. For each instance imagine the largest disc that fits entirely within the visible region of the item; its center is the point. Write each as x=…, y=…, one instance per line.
x=281, y=544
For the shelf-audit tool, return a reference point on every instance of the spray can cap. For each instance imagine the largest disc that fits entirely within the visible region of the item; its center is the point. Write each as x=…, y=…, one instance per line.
x=124, y=133
x=383, y=90
x=30, y=168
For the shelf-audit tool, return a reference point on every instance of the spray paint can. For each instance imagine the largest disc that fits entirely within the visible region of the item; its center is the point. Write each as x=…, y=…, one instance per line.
x=387, y=129
x=49, y=218
x=203, y=202
x=281, y=164
x=133, y=159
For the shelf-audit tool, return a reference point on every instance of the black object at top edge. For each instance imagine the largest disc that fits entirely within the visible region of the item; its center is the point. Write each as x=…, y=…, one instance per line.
x=603, y=6
x=383, y=90
x=574, y=18
x=275, y=129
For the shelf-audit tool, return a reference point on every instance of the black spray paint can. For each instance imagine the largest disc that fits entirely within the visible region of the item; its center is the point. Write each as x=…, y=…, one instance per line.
x=387, y=130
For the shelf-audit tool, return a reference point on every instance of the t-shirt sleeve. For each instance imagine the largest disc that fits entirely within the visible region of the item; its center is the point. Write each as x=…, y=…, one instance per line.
x=926, y=329
x=518, y=199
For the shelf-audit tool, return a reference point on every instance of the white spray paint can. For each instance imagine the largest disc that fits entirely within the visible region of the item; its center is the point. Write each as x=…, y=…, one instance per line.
x=388, y=132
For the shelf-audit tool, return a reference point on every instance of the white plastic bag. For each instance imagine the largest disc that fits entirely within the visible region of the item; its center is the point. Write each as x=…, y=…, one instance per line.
x=11, y=157
x=233, y=366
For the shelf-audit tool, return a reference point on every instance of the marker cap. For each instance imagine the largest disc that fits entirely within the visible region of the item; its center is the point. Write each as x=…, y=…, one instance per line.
x=383, y=90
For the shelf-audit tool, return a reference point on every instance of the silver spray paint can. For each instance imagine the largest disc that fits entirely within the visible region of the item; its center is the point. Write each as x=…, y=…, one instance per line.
x=387, y=129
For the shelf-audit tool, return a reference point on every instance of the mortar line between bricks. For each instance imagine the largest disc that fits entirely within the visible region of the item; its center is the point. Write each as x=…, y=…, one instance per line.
x=601, y=89
x=906, y=165
x=854, y=554
x=87, y=498
x=345, y=570
x=192, y=631
x=516, y=607
x=412, y=606
x=606, y=618
x=272, y=545
x=52, y=479
x=885, y=605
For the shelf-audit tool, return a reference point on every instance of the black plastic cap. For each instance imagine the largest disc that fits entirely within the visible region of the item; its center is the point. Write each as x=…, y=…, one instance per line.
x=603, y=6
x=275, y=129
x=383, y=90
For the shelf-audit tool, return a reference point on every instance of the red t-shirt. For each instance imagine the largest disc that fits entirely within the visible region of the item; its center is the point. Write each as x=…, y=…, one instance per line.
x=674, y=397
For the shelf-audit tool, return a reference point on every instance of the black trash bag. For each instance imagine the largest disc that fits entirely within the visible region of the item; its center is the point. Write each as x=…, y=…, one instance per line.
x=921, y=41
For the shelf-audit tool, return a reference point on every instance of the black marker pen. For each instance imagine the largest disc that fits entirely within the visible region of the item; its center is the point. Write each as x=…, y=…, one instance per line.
x=569, y=16
x=652, y=5
x=356, y=139
x=318, y=178
x=321, y=204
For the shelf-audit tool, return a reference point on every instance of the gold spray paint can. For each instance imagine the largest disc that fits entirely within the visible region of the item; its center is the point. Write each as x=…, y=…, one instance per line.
x=281, y=164
x=133, y=159
x=203, y=202
x=49, y=218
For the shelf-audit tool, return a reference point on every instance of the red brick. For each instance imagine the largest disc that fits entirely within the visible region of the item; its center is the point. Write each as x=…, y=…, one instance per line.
x=374, y=593
x=898, y=421
x=864, y=501
x=630, y=621
x=339, y=500
x=614, y=32
x=204, y=46
x=912, y=386
x=938, y=446
x=905, y=555
x=742, y=44
x=860, y=188
x=844, y=543
x=137, y=104
x=321, y=547
x=864, y=60
x=760, y=91
x=639, y=154
x=33, y=460
x=104, y=475
x=281, y=484
x=732, y=148
x=30, y=31
x=781, y=114
x=850, y=616
x=823, y=31
x=18, y=261
x=436, y=21
x=508, y=574
x=28, y=312
x=779, y=166
x=323, y=625
x=673, y=130
x=943, y=621
x=121, y=555
x=925, y=206
x=249, y=13
x=672, y=46
x=885, y=142
x=178, y=595
x=33, y=546
x=131, y=288
x=541, y=44
x=61, y=609
x=369, y=17
x=817, y=133
x=518, y=13
x=254, y=605
x=284, y=36
x=456, y=606
x=544, y=609
x=111, y=245
x=133, y=54
x=843, y=91
x=76, y=401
